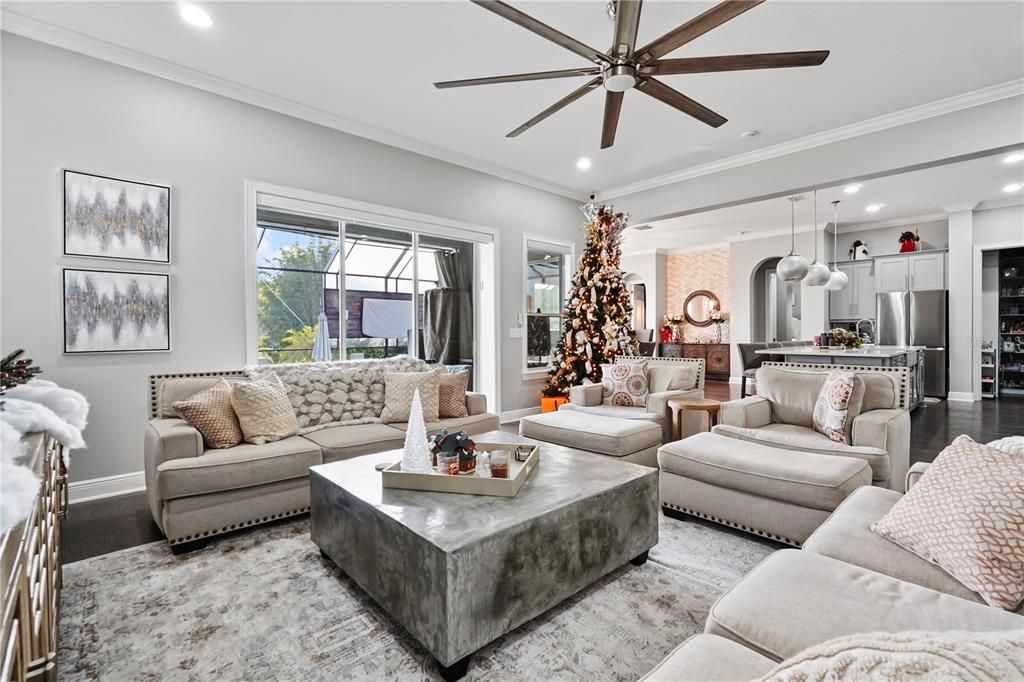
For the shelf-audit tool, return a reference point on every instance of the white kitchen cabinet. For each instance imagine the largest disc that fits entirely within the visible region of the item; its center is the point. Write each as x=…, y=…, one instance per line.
x=862, y=287
x=892, y=274
x=857, y=300
x=927, y=271
x=917, y=272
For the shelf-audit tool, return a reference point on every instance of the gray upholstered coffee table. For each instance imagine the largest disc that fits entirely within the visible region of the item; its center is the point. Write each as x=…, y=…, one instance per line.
x=458, y=571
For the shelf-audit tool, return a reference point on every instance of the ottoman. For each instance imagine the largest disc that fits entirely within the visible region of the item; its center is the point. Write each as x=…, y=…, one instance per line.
x=631, y=440
x=770, y=491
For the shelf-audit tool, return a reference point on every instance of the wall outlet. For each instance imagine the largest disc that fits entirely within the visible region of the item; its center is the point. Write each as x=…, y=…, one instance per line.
x=515, y=332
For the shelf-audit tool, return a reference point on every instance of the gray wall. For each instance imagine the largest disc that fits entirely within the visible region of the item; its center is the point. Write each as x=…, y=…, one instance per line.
x=64, y=110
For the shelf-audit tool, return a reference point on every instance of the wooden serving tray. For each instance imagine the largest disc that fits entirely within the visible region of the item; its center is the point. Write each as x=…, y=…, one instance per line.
x=394, y=477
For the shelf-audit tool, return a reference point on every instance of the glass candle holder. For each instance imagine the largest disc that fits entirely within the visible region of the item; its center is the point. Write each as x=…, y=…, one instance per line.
x=499, y=461
x=447, y=464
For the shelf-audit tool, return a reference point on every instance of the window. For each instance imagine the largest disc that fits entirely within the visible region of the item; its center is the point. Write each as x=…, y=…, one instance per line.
x=379, y=290
x=547, y=272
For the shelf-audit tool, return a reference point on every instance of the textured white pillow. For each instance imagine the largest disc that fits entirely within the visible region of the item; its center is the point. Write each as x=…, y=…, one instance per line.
x=263, y=409
x=399, y=388
x=1011, y=445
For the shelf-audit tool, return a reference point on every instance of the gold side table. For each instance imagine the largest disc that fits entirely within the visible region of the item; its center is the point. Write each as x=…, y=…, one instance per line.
x=680, y=405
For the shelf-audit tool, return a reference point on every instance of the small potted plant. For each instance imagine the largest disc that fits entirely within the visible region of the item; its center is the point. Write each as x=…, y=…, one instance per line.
x=718, y=318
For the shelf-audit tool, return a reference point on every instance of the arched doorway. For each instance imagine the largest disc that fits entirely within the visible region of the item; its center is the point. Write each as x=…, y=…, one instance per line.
x=775, y=305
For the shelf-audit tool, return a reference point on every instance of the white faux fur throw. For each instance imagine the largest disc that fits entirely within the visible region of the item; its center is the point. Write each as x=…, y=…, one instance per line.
x=71, y=406
x=929, y=656
x=29, y=417
x=18, y=484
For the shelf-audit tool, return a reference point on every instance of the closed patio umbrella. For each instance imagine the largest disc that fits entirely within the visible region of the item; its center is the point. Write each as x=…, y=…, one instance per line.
x=322, y=341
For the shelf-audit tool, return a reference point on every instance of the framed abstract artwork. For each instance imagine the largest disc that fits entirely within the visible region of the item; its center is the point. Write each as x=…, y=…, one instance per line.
x=116, y=312
x=112, y=218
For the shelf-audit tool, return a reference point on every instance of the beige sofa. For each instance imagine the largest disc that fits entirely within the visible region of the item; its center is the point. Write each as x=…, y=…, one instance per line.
x=195, y=493
x=780, y=416
x=663, y=378
x=846, y=580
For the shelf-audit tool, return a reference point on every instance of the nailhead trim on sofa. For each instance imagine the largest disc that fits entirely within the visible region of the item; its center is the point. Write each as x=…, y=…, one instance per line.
x=235, y=526
x=659, y=361
x=733, y=524
x=157, y=379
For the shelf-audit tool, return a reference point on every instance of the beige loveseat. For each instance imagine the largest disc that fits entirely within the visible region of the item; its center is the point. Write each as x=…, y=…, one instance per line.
x=846, y=580
x=780, y=416
x=666, y=378
x=195, y=493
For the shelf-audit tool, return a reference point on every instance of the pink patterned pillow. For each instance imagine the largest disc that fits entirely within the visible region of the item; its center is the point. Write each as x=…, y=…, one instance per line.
x=966, y=515
x=625, y=384
x=839, y=403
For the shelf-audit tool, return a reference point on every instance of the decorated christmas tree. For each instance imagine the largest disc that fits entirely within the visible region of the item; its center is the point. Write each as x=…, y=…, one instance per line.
x=15, y=370
x=599, y=308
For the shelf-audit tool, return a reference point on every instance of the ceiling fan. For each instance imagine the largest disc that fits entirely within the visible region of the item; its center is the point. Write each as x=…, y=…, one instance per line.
x=625, y=66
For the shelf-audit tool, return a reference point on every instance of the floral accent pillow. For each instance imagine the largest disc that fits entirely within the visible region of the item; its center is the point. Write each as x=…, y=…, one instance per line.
x=839, y=402
x=966, y=516
x=625, y=384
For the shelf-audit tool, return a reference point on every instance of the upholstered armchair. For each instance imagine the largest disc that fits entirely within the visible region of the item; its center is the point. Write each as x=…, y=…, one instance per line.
x=666, y=377
x=781, y=416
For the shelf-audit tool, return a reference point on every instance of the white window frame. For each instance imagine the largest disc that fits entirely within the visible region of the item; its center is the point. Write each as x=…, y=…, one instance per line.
x=487, y=377
x=533, y=373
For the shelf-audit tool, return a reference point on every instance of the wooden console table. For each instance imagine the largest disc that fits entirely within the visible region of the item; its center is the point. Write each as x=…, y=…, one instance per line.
x=30, y=574
x=715, y=355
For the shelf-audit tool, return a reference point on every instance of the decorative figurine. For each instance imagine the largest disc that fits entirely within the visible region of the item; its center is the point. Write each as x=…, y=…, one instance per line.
x=909, y=241
x=859, y=250
x=459, y=444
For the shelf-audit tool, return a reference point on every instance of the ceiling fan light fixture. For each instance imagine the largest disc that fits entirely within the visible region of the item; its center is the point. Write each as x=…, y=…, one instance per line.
x=619, y=78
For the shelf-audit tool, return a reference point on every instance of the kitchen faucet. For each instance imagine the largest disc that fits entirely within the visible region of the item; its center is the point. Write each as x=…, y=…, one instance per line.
x=871, y=322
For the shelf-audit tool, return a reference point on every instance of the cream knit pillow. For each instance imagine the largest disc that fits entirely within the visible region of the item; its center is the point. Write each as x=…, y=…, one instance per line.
x=399, y=388
x=264, y=411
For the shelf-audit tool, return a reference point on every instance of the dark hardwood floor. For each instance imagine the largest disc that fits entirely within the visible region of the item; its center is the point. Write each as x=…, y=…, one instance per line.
x=103, y=526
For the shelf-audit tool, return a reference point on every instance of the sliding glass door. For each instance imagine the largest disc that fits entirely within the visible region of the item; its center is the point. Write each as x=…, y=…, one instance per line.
x=382, y=290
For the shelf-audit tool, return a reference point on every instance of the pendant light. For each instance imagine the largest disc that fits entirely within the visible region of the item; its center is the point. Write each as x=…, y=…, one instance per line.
x=838, y=280
x=818, y=274
x=793, y=267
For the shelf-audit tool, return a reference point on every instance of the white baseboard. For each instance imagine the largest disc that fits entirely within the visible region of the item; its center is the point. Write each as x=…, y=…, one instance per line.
x=108, y=486
x=516, y=415
x=960, y=397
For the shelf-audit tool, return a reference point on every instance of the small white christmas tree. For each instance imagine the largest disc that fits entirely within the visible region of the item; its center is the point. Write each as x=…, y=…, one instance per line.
x=416, y=454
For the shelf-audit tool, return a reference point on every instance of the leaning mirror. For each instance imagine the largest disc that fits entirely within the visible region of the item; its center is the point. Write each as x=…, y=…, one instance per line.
x=698, y=306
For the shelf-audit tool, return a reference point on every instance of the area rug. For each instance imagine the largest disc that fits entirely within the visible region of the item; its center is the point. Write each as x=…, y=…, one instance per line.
x=264, y=605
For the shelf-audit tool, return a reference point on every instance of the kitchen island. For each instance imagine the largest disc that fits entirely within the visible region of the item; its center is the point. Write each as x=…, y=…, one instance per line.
x=871, y=356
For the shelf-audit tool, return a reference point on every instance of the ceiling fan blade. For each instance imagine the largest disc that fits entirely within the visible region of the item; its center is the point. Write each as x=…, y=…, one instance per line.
x=514, y=78
x=568, y=99
x=694, y=28
x=627, y=21
x=735, y=62
x=612, y=107
x=674, y=98
x=543, y=30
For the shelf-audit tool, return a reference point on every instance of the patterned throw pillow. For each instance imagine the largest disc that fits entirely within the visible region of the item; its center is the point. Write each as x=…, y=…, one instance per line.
x=966, y=515
x=264, y=411
x=625, y=384
x=451, y=395
x=211, y=413
x=399, y=388
x=839, y=403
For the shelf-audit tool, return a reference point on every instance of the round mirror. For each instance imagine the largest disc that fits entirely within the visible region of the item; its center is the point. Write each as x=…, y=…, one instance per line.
x=698, y=307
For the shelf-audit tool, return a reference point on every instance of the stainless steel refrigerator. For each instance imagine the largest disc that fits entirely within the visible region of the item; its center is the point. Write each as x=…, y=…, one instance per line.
x=918, y=318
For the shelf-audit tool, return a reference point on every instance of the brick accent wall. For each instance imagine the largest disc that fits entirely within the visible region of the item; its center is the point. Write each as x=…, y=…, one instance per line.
x=689, y=271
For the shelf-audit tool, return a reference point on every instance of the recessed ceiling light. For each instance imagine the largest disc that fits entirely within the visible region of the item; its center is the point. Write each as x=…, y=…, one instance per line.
x=874, y=208
x=1012, y=187
x=583, y=164
x=1015, y=157
x=852, y=189
x=196, y=16
x=750, y=133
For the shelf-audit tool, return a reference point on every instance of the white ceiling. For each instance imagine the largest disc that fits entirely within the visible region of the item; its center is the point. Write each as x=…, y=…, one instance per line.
x=912, y=195
x=374, y=62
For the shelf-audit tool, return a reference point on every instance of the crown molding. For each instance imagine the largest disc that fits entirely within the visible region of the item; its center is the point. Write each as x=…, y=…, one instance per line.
x=43, y=32
x=895, y=119
x=960, y=208
x=1003, y=203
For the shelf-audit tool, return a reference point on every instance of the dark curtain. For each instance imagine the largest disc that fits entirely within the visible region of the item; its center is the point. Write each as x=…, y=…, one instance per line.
x=448, y=311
